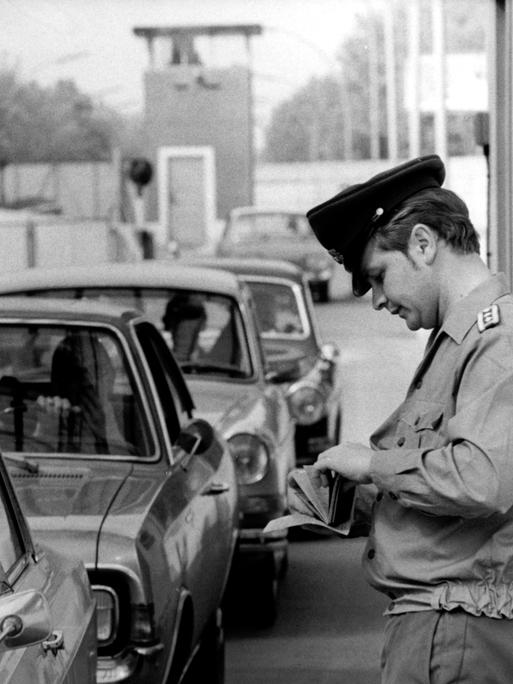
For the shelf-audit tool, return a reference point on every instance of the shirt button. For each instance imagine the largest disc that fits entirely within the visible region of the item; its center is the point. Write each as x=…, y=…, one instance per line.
x=370, y=554
x=379, y=496
x=401, y=441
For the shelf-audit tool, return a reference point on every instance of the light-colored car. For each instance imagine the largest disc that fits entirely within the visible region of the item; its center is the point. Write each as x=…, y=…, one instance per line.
x=289, y=330
x=47, y=610
x=257, y=232
x=111, y=467
x=209, y=319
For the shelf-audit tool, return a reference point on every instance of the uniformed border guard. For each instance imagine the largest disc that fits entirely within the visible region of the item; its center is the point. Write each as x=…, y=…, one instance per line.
x=441, y=467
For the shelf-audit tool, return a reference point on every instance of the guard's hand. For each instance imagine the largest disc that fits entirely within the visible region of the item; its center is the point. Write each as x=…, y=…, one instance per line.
x=349, y=459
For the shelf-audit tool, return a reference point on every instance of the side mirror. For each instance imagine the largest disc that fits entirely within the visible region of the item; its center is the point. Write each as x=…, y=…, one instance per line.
x=330, y=352
x=284, y=370
x=172, y=249
x=196, y=438
x=24, y=619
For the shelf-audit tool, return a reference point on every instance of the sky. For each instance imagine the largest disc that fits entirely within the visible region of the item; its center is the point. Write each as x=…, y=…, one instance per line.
x=92, y=41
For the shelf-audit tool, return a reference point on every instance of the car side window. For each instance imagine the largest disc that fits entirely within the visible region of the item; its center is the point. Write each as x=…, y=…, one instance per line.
x=11, y=547
x=172, y=392
x=68, y=389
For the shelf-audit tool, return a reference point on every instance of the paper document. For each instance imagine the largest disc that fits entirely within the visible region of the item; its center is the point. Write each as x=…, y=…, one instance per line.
x=331, y=507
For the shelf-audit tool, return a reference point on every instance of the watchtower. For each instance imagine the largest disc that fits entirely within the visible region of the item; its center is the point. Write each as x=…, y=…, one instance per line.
x=199, y=126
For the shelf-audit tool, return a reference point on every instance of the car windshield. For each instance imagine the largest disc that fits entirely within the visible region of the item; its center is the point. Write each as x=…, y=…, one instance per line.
x=280, y=311
x=68, y=389
x=269, y=226
x=204, y=330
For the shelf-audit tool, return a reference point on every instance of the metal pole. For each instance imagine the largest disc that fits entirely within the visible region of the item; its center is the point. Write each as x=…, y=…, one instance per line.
x=373, y=94
x=500, y=236
x=251, y=122
x=414, y=83
x=440, y=79
x=391, y=91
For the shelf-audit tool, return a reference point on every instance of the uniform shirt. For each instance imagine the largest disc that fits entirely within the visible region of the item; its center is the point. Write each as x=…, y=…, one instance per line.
x=442, y=523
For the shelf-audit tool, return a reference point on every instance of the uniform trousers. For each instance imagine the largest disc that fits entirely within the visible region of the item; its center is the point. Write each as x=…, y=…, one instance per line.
x=442, y=647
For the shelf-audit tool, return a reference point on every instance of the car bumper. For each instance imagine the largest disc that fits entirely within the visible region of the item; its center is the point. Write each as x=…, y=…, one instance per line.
x=137, y=665
x=257, y=511
x=255, y=547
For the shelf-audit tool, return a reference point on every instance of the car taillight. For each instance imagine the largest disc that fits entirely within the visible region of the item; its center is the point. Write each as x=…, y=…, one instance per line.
x=251, y=457
x=107, y=614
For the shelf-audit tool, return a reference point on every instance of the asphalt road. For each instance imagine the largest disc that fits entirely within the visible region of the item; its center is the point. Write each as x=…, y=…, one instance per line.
x=329, y=627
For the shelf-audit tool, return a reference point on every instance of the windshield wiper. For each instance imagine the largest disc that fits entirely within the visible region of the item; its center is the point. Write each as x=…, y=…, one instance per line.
x=224, y=369
x=23, y=463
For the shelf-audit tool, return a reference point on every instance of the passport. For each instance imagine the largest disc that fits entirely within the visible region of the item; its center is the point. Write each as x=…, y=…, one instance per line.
x=330, y=507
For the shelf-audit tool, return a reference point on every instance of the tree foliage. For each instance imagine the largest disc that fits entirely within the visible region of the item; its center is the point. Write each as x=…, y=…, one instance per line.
x=53, y=124
x=314, y=123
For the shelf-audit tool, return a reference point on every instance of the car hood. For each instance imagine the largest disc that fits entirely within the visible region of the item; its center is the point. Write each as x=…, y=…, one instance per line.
x=276, y=249
x=66, y=502
x=228, y=406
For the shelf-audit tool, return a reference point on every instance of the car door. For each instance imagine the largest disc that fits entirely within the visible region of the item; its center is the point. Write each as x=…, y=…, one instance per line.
x=208, y=489
x=51, y=597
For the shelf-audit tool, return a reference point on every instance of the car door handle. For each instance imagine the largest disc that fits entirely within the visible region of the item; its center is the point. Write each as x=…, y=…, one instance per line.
x=54, y=643
x=217, y=488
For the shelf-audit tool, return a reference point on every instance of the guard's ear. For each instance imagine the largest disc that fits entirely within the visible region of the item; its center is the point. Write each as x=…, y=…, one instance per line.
x=423, y=243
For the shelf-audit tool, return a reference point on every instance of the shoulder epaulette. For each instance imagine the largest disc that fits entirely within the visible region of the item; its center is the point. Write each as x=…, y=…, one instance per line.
x=488, y=318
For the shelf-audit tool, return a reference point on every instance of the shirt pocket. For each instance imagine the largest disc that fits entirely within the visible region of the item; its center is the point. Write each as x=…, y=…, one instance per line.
x=421, y=427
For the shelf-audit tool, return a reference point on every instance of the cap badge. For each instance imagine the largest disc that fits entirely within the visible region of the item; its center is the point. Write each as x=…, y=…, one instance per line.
x=339, y=258
x=488, y=318
x=378, y=213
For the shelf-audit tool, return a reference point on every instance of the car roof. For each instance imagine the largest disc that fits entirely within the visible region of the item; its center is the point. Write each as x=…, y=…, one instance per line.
x=146, y=273
x=65, y=309
x=243, y=211
x=266, y=268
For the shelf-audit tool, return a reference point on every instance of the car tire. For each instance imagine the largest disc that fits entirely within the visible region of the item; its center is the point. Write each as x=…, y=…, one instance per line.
x=323, y=292
x=208, y=665
x=265, y=596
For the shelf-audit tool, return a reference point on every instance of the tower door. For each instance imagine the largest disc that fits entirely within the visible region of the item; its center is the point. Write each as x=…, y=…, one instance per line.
x=187, y=194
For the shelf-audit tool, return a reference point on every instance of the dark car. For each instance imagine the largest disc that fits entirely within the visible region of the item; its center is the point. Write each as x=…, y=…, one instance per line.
x=208, y=318
x=289, y=330
x=47, y=609
x=111, y=467
x=278, y=234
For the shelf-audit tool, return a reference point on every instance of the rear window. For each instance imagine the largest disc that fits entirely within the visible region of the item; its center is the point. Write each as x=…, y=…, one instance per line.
x=254, y=227
x=205, y=331
x=68, y=389
x=278, y=310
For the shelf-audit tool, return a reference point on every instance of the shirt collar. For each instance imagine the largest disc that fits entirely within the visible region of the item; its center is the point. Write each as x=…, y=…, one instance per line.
x=463, y=315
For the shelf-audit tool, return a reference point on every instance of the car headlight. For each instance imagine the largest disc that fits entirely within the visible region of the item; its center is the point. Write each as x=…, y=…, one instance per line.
x=107, y=614
x=306, y=404
x=251, y=457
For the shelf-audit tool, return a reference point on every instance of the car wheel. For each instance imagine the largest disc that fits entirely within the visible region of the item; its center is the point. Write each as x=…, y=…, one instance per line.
x=208, y=665
x=323, y=292
x=337, y=434
x=284, y=565
x=265, y=594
